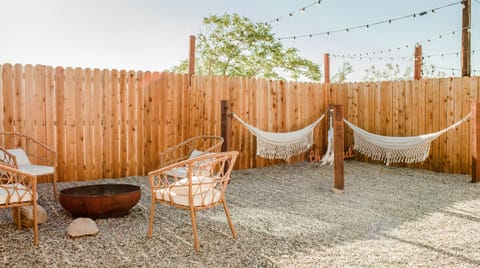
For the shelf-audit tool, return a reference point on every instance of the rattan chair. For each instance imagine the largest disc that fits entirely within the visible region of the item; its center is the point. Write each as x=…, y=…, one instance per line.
x=203, y=188
x=17, y=189
x=29, y=155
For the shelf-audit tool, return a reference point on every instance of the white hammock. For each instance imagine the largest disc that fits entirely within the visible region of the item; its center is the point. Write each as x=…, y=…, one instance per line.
x=282, y=145
x=390, y=149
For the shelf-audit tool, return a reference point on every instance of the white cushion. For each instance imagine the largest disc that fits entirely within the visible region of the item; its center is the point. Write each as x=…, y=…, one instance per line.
x=18, y=193
x=195, y=153
x=206, y=198
x=199, y=185
x=37, y=169
x=21, y=156
x=180, y=172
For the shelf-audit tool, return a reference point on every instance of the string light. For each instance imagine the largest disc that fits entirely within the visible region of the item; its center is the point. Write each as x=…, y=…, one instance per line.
x=453, y=70
x=400, y=47
x=290, y=14
x=370, y=24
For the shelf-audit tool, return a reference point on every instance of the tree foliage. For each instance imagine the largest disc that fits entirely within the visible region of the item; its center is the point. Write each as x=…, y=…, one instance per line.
x=391, y=72
x=231, y=45
x=342, y=73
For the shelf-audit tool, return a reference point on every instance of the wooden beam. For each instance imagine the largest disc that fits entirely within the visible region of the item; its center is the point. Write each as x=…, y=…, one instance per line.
x=418, y=63
x=466, y=42
x=338, y=144
x=475, y=143
x=226, y=119
x=326, y=83
x=191, y=59
x=326, y=67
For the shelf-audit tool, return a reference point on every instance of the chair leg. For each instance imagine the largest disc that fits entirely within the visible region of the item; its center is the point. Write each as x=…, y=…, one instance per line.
x=194, y=227
x=55, y=195
x=35, y=224
x=152, y=215
x=229, y=219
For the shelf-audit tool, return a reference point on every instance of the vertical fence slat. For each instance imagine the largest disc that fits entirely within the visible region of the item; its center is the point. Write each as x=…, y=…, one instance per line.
x=123, y=124
x=60, y=122
x=98, y=141
x=456, y=133
x=132, y=127
x=107, y=124
x=140, y=108
x=78, y=121
x=89, y=115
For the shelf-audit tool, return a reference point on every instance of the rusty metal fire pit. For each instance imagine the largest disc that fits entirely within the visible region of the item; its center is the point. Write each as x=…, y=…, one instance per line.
x=100, y=200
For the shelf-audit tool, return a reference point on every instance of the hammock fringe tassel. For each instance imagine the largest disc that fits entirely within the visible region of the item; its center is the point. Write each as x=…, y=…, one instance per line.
x=282, y=145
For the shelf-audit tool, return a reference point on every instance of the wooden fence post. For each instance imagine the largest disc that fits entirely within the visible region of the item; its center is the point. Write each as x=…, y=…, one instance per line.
x=338, y=144
x=417, y=74
x=191, y=59
x=466, y=33
x=326, y=70
x=475, y=143
x=226, y=118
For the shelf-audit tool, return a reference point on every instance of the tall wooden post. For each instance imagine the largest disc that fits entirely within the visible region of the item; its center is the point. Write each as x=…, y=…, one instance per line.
x=338, y=144
x=418, y=63
x=475, y=143
x=191, y=59
x=226, y=118
x=326, y=67
x=466, y=24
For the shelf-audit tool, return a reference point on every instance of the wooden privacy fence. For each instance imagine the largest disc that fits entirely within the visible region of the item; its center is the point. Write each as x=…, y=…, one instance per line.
x=111, y=124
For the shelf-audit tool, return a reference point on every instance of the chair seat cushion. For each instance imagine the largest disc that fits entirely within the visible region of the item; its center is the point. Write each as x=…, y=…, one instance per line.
x=18, y=193
x=37, y=169
x=200, y=184
x=204, y=199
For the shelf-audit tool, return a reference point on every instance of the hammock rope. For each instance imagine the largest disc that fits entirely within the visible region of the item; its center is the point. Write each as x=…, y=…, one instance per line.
x=282, y=145
x=390, y=149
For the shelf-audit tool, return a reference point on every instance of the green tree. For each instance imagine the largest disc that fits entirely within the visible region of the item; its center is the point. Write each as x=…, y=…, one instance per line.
x=231, y=45
x=430, y=71
x=391, y=72
x=343, y=72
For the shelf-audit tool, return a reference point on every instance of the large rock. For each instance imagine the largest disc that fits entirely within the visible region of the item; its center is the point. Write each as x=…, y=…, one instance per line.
x=27, y=215
x=82, y=227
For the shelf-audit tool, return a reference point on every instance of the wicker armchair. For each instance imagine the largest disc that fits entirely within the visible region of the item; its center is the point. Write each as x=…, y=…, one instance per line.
x=203, y=188
x=29, y=155
x=191, y=148
x=17, y=189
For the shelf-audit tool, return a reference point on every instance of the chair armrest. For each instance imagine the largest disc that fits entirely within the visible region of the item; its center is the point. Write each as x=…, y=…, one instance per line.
x=7, y=158
x=17, y=186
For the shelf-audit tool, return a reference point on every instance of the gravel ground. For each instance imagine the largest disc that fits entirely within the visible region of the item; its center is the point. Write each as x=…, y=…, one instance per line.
x=285, y=216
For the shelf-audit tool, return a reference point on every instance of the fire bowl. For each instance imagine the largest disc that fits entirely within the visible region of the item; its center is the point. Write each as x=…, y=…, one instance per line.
x=100, y=200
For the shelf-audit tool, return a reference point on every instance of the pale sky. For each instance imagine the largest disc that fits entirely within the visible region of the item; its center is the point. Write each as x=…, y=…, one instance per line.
x=154, y=34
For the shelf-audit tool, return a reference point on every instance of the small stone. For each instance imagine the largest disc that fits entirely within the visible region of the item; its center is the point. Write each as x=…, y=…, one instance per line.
x=82, y=227
x=26, y=213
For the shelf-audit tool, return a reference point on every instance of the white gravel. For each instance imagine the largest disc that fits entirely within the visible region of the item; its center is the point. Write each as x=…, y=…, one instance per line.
x=285, y=216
